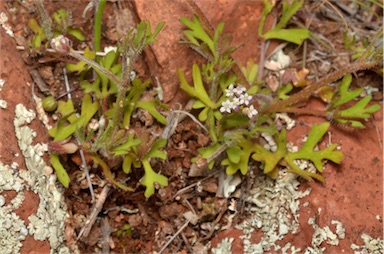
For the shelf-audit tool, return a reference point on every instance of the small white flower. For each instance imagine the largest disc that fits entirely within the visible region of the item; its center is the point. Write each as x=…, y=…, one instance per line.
x=239, y=90
x=250, y=111
x=229, y=91
x=235, y=102
x=245, y=99
x=109, y=49
x=248, y=100
x=226, y=106
x=94, y=124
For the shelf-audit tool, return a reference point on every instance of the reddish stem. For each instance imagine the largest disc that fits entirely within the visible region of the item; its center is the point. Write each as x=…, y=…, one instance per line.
x=306, y=93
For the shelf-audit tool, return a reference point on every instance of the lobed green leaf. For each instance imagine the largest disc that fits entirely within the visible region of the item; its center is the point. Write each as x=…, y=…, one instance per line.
x=308, y=151
x=150, y=178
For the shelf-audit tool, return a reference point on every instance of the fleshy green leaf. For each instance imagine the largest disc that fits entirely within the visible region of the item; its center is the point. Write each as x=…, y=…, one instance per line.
x=234, y=120
x=198, y=91
x=203, y=115
x=234, y=154
x=197, y=34
x=242, y=165
x=198, y=104
x=60, y=170
x=308, y=151
x=293, y=35
x=62, y=18
x=360, y=110
x=289, y=9
x=271, y=159
x=266, y=10
x=103, y=86
x=151, y=36
x=108, y=60
x=130, y=102
x=284, y=90
x=155, y=151
x=62, y=130
x=150, y=178
x=129, y=159
x=127, y=146
x=250, y=72
x=81, y=66
x=77, y=33
x=66, y=109
x=208, y=151
x=351, y=123
x=88, y=110
x=150, y=106
x=34, y=26
x=343, y=95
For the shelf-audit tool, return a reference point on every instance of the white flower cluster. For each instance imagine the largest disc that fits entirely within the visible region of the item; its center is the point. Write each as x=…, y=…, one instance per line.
x=238, y=98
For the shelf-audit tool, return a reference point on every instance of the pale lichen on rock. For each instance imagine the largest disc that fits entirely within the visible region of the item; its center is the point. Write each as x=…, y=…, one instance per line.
x=224, y=247
x=274, y=211
x=48, y=222
x=324, y=234
x=12, y=229
x=371, y=246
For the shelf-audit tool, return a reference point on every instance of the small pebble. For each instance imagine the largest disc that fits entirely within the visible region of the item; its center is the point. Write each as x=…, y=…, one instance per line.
x=2, y=201
x=3, y=104
x=14, y=165
x=24, y=230
x=48, y=170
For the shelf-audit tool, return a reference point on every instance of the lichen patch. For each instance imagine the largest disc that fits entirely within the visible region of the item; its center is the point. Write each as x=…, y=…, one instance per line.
x=13, y=229
x=275, y=206
x=48, y=222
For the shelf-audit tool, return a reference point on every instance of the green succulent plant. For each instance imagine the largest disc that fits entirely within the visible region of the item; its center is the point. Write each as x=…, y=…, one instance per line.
x=109, y=101
x=237, y=112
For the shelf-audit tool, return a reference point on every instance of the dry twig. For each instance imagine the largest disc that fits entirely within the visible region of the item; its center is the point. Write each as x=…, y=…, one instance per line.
x=106, y=233
x=84, y=232
x=67, y=87
x=174, y=236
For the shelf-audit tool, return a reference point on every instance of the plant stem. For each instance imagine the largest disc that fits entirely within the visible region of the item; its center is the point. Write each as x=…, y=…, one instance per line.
x=119, y=110
x=306, y=93
x=96, y=66
x=304, y=111
x=46, y=22
x=97, y=25
x=118, y=114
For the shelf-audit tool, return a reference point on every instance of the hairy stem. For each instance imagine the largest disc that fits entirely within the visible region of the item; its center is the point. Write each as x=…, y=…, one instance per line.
x=304, y=111
x=46, y=22
x=306, y=93
x=96, y=66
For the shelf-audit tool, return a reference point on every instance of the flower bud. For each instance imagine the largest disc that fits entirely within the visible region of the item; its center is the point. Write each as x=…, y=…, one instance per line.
x=62, y=147
x=61, y=44
x=50, y=104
